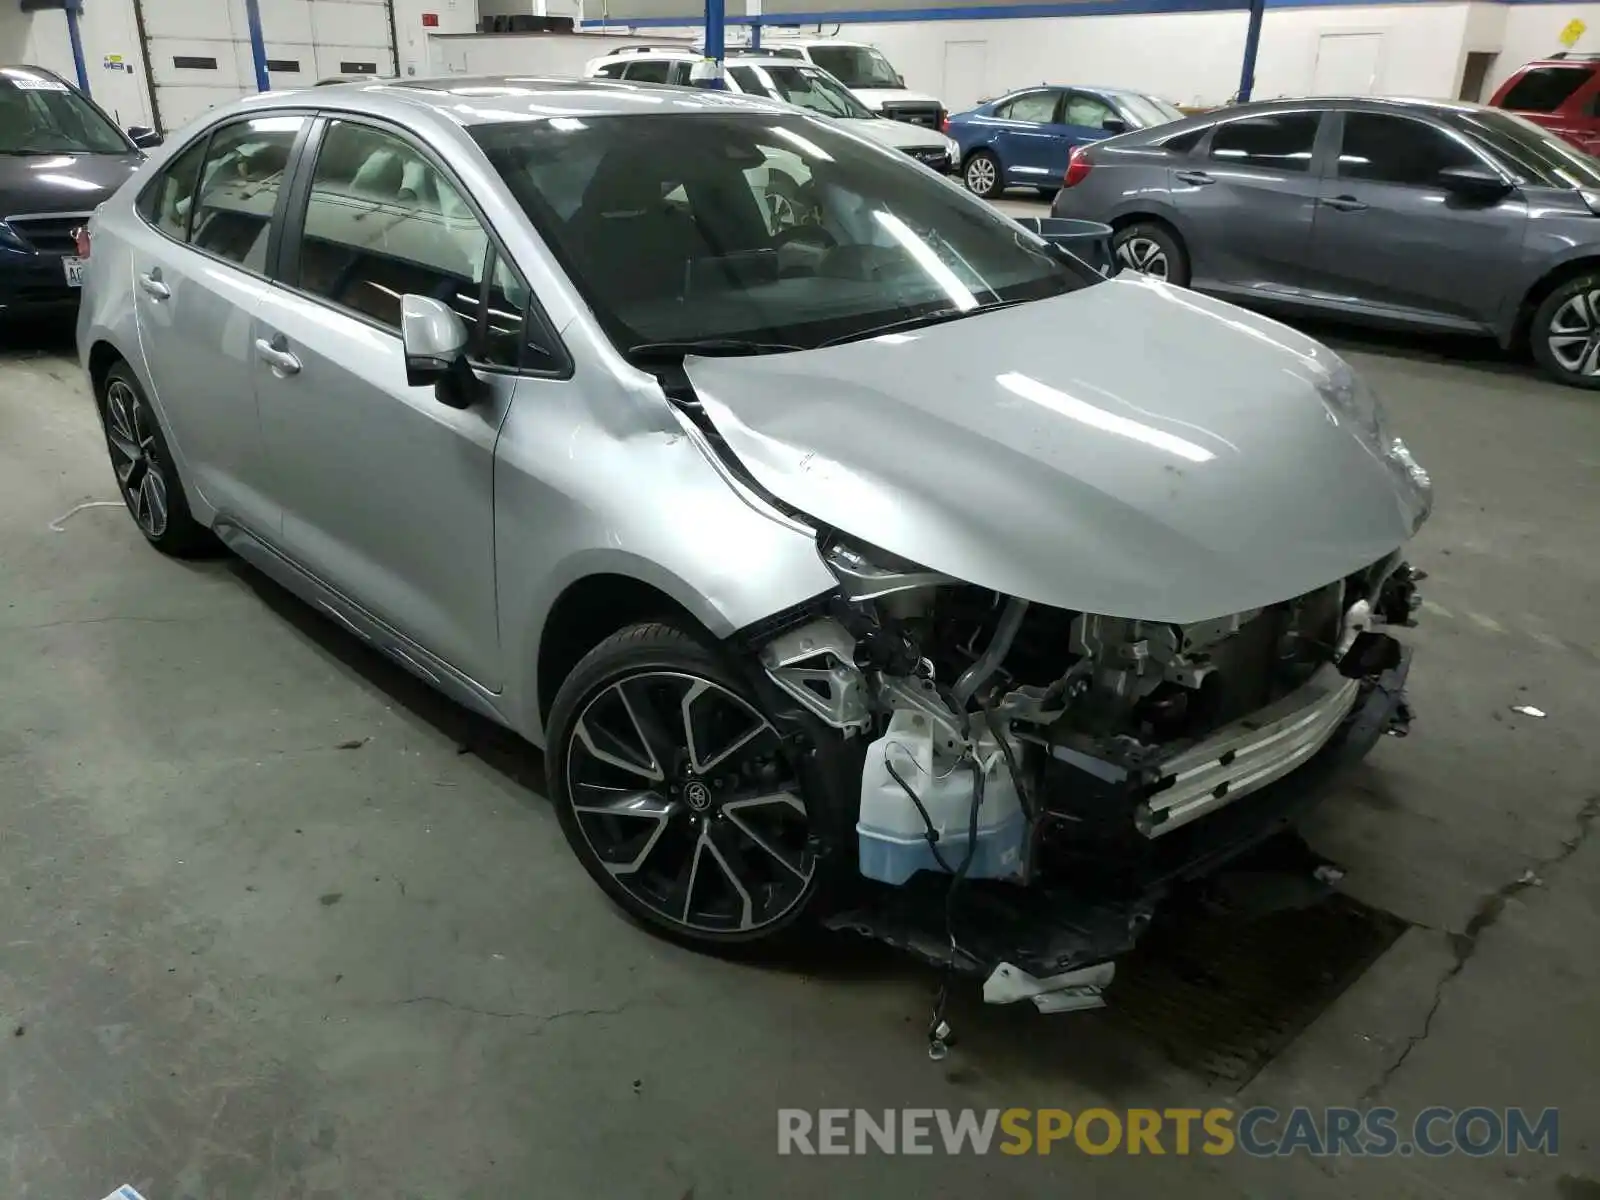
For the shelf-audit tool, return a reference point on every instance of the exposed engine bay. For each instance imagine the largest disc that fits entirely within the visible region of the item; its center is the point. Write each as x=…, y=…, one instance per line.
x=1035, y=746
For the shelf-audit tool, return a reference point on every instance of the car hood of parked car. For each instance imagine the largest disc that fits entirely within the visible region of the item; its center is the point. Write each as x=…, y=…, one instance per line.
x=876, y=98
x=1131, y=449
x=897, y=135
x=46, y=183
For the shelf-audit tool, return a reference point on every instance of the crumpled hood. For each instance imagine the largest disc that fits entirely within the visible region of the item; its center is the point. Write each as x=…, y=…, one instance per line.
x=1131, y=449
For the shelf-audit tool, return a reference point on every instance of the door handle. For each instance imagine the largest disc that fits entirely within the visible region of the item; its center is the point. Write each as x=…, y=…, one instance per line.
x=1343, y=203
x=276, y=354
x=1198, y=178
x=153, y=286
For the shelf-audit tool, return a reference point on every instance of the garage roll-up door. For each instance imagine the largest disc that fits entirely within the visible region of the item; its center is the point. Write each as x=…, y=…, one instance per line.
x=199, y=50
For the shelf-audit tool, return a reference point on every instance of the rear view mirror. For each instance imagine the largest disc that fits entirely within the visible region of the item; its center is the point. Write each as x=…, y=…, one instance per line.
x=1114, y=125
x=434, y=340
x=144, y=137
x=1473, y=183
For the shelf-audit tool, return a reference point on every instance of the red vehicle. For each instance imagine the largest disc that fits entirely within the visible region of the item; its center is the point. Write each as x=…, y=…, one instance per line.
x=1562, y=93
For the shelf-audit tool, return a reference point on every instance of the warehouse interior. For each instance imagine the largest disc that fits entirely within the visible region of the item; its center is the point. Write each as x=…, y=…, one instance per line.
x=285, y=920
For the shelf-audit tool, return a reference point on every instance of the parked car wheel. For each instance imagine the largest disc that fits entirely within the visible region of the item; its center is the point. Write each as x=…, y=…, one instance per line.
x=982, y=175
x=1565, y=333
x=676, y=792
x=146, y=473
x=1153, y=249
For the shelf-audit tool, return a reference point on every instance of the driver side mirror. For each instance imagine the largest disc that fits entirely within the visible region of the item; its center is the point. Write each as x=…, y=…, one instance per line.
x=1114, y=125
x=144, y=137
x=1473, y=183
x=434, y=339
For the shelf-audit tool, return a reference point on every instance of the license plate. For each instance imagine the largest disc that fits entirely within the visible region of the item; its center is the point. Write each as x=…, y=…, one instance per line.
x=74, y=269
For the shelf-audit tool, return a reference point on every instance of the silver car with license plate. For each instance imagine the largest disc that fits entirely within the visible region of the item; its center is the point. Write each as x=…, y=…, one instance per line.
x=833, y=551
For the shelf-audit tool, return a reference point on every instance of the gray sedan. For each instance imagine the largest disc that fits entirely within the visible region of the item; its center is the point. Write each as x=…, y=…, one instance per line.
x=1413, y=213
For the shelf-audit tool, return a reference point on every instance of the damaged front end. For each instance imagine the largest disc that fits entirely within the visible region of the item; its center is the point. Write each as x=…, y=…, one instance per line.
x=1067, y=771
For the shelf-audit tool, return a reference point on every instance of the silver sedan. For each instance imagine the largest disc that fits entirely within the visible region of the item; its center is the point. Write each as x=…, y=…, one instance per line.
x=832, y=533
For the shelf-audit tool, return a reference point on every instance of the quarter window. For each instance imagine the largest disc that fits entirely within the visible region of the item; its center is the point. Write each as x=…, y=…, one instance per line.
x=1544, y=89
x=1273, y=141
x=239, y=185
x=1395, y=150
x=1185, y=142
x=1039, y=107
x=168, y=198
x=382, y=222
x=612, y=70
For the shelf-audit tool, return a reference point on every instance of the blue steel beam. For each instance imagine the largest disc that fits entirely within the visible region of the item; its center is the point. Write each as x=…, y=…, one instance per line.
x=258, y=46
x=1252, y=42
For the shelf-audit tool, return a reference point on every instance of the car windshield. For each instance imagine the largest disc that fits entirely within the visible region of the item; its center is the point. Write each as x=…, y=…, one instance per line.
x=813, y=88
x=1148, y=110
x=856, y=66
x=1538, y=154
x=40, y=115
x=760, y=231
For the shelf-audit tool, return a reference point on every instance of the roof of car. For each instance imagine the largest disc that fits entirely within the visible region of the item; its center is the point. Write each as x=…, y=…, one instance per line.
x=486, y=99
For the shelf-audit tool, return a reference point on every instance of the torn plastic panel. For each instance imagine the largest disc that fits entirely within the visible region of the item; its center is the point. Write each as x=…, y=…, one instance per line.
x=1101, y=776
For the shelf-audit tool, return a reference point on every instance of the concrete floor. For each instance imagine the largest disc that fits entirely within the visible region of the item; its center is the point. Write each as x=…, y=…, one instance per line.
x=238, y=961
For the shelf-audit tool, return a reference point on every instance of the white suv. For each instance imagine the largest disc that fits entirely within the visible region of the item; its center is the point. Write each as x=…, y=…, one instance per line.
x=791, y=80
x=865, y=71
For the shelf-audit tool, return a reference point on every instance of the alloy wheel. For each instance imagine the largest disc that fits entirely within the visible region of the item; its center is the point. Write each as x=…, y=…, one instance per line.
x=1144, y=255
x=131, y=431
x=683, y=792
x=981, y=175
x=1574, y=336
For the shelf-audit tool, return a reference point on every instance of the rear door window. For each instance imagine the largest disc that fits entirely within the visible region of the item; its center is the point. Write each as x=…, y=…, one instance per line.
x=1271, y=141
x=1038, y=107
x=1544, y=89
x=239, y=186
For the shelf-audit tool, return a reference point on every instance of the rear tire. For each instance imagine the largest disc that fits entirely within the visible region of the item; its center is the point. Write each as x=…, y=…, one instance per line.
x=144, y=468
x=982, y=174
x=1564, y=334
x=677, y=793
x=1153, y=249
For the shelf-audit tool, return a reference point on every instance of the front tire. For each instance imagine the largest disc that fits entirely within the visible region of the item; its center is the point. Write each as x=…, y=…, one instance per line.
x=677, y=793
x=145, y=471
x=982, y=175
x=1565, y=333
x=1152, y=249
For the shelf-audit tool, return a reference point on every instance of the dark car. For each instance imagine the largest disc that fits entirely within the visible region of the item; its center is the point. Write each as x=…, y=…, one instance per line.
x=60, y=156
x=1420, y=213
x=1562, y=93
x=1023, y=139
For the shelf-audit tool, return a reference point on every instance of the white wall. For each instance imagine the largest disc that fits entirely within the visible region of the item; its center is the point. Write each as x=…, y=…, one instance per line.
x=527, y=53
x=455, y=16
x=107, y=28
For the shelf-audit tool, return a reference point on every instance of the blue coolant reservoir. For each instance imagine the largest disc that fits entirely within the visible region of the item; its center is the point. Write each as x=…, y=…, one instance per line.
x=892, y=835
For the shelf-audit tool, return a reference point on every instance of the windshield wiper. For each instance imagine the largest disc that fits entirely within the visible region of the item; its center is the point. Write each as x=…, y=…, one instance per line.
x=710, y=348
x=937, y=317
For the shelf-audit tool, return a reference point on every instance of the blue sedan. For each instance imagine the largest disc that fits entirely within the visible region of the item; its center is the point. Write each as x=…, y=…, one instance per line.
x=1025, y=138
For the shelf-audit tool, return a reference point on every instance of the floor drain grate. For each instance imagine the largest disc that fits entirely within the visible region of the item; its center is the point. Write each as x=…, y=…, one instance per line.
x=1224, y=993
